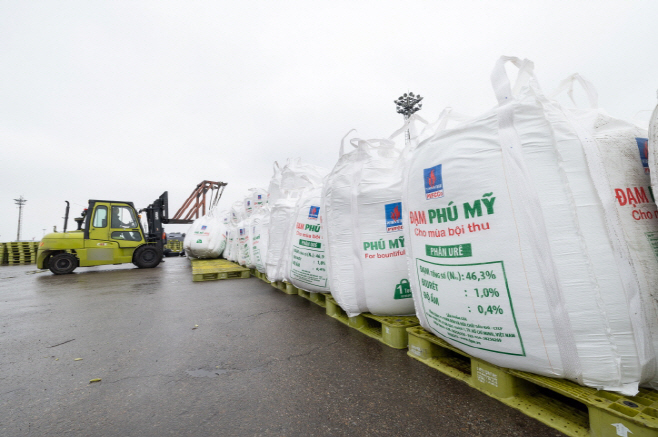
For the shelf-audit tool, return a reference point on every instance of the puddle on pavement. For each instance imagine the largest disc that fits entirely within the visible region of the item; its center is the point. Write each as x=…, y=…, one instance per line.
x=203, y=373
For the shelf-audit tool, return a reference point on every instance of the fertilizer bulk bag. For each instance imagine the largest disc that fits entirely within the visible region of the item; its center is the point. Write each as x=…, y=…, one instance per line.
x=298, y=175
x=260, y=223
x=243, y=243
x=617, y=156
x=281, y=226
x=307, y=268
x=295, y=176
x=274, y=189
x=206, y=238
x=498, y=261
x=258, y=197
x=231, y=252
x=653, y=149
x=225, y=217
x=363, y=220
x=237, y=212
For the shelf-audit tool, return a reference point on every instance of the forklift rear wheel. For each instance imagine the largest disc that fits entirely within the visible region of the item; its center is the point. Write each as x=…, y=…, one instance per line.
x=147, y=257
x=63, y=263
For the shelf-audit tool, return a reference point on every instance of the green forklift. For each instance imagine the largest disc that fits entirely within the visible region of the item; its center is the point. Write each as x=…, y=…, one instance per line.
x=109, y=232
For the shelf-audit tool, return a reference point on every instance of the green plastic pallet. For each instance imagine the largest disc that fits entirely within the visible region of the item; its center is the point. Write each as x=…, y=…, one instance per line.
x=316, y=298
x=215, y=269
x=286, y=287
x=390, y=330
x=566, y=406
x=262, y=277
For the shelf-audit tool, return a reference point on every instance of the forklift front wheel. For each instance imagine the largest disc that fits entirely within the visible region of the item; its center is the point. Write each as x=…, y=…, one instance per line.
x=63, y=263
x=147, y=257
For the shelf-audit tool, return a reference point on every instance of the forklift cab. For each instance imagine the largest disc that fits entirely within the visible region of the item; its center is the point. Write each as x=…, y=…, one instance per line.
x=115, y=222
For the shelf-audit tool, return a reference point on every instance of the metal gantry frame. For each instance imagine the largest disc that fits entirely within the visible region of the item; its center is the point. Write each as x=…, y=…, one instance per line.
x=197, y=201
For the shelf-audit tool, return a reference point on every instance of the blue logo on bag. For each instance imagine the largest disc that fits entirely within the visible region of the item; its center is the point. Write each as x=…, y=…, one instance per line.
x=203, y=228
x=313, y=212
x=260, y=196
x=433, y=182
x=393, y=216
x=643, y=146
x=241, y=231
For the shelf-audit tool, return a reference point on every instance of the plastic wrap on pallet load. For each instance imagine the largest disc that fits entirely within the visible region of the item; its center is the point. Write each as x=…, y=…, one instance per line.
x=509, y=254
x=617, y=160
x=206, y=237
x=363, y=217
x=307, y=268
x=260, y=223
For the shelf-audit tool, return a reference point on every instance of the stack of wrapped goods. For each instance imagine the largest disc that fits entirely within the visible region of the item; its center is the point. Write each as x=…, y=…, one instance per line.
x=526, y=241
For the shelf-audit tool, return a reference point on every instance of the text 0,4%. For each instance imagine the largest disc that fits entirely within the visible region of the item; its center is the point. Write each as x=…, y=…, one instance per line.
x=491, y=309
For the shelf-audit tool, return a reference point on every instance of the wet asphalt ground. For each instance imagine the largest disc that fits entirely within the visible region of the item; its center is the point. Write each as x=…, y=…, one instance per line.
x=259, y=363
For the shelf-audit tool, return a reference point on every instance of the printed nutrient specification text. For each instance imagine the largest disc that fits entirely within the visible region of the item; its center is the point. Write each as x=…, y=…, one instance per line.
x=308, y=264
x=470, y=304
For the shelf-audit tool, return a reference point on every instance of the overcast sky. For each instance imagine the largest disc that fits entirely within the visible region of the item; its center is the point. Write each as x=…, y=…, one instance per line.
x=122, y=100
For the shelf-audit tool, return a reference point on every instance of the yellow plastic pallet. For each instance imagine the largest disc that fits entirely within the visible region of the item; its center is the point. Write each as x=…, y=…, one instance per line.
x=316, y=298
x=261, y=276
x=286, y=287
x=568, y=407
x=174, y=245
x=390, y=330
x=215, y=269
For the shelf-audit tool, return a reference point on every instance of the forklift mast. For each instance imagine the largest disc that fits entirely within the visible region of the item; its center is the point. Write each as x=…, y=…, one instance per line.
x=157, y=215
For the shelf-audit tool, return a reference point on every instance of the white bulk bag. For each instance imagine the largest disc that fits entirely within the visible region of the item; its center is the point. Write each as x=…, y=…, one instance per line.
x=618, y=164
x=295, y=176
x=274, y=189
x=231, y=243
x=237, y=213
x=206, y=238
x=260, y=237
x=258, y=197
x=363, y=220
x=307, y=268
x=653, y=149
x=242, y=257
x=281, y=225
x=498, y=261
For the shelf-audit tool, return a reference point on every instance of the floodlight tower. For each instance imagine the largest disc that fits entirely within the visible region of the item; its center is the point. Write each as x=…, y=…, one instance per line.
x=20, y=202
x=408, y=104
